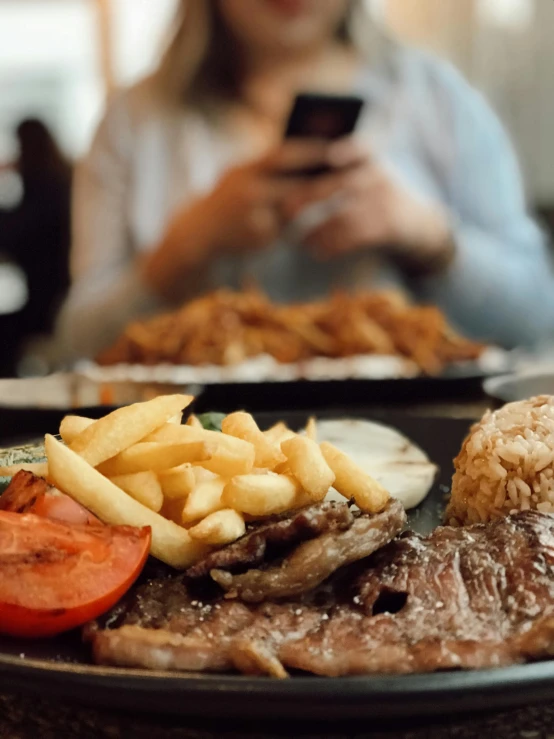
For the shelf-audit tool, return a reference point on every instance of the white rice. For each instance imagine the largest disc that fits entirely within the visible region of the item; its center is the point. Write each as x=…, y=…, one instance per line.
x=506, y=464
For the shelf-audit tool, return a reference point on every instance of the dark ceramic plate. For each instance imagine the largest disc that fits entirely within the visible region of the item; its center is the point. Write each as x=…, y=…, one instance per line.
x=340, y=394
x=60, y=668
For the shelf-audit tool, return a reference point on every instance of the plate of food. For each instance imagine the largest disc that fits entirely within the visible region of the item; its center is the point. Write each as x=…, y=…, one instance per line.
x=242, y=341
x=263, y=569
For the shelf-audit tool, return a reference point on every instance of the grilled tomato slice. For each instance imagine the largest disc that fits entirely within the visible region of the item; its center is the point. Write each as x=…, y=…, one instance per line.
x=56, y=576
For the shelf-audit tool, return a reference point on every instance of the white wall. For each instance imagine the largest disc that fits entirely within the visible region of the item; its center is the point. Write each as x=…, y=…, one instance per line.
x=506, y=48
x=49, y=67
x=140, y=28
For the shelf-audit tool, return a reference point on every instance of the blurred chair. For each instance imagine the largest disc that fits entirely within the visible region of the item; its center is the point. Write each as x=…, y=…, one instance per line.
x=34, y=241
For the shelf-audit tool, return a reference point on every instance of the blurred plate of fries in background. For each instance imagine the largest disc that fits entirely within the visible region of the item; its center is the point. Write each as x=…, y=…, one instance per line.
x=245, y=336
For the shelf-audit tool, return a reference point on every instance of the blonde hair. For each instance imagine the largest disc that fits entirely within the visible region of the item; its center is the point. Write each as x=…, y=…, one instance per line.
x=199, y=67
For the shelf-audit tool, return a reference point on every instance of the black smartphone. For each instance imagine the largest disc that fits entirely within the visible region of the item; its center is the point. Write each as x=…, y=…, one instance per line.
x=320, y=116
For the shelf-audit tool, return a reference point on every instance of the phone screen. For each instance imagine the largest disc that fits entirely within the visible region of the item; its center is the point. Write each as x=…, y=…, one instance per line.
x=324, y=117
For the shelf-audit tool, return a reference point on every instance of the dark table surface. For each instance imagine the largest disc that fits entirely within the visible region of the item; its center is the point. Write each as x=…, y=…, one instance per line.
x=27, y=716
x=22, y=717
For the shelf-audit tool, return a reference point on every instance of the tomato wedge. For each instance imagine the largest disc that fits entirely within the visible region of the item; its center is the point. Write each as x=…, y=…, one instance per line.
x=54, y=577
x=28, y=493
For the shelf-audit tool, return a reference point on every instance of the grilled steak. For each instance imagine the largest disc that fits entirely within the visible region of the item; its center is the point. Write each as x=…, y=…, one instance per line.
x=162, y=624
x=277, y=532
x=461, y=598
x=477, y=597
x=314, y=561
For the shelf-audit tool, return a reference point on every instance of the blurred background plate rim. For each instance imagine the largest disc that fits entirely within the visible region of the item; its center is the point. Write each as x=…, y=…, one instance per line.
x=498, y=387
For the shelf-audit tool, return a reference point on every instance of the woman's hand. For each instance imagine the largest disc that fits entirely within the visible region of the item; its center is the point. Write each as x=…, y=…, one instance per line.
x=374, y=212
x=244, y=212
x=247, y=203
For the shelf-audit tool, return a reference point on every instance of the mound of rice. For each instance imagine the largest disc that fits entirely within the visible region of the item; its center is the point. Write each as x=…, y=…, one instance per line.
x=506, y=464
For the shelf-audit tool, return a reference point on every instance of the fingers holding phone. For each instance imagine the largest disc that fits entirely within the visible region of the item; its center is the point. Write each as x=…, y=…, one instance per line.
x=378, y=212
x=250, y=200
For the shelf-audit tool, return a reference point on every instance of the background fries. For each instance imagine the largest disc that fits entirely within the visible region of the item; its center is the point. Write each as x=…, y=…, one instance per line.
x=194, y=487
x=343, y=325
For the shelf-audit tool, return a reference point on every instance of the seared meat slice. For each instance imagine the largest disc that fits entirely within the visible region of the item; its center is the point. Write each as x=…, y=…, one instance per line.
x=160, y=626
x=255, y=650
x=314, y=561
x=477, y=597
x=285, y=530
x=194, y=643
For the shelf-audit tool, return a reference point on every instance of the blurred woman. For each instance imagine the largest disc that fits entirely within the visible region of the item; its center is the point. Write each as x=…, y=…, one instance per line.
x=189, y=185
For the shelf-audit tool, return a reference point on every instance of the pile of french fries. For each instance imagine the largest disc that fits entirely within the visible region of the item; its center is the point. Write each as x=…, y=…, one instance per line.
x=196, y=489
x=226, y=328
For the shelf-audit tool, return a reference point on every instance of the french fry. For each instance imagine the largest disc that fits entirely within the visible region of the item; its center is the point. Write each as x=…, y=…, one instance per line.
x=230, y=456
x=203, y=475
x=73, y=475
x=219, y=528
x=170, y=433
x=142, y=486
x=40, y=469
x=173, y=509
x=242, y=426
x=311, y=429
x=261, y=495
x=176, y=434
x=203, y=500
x=177, y=419
x=177, y=482
x=308, y=466
x=146, y=456
x=302, y=499
x=126, y=426
x=72, y=426
x=194, y=422
x=228, y=462
x=283, y=468
x=352, y=482
x=278, y=433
